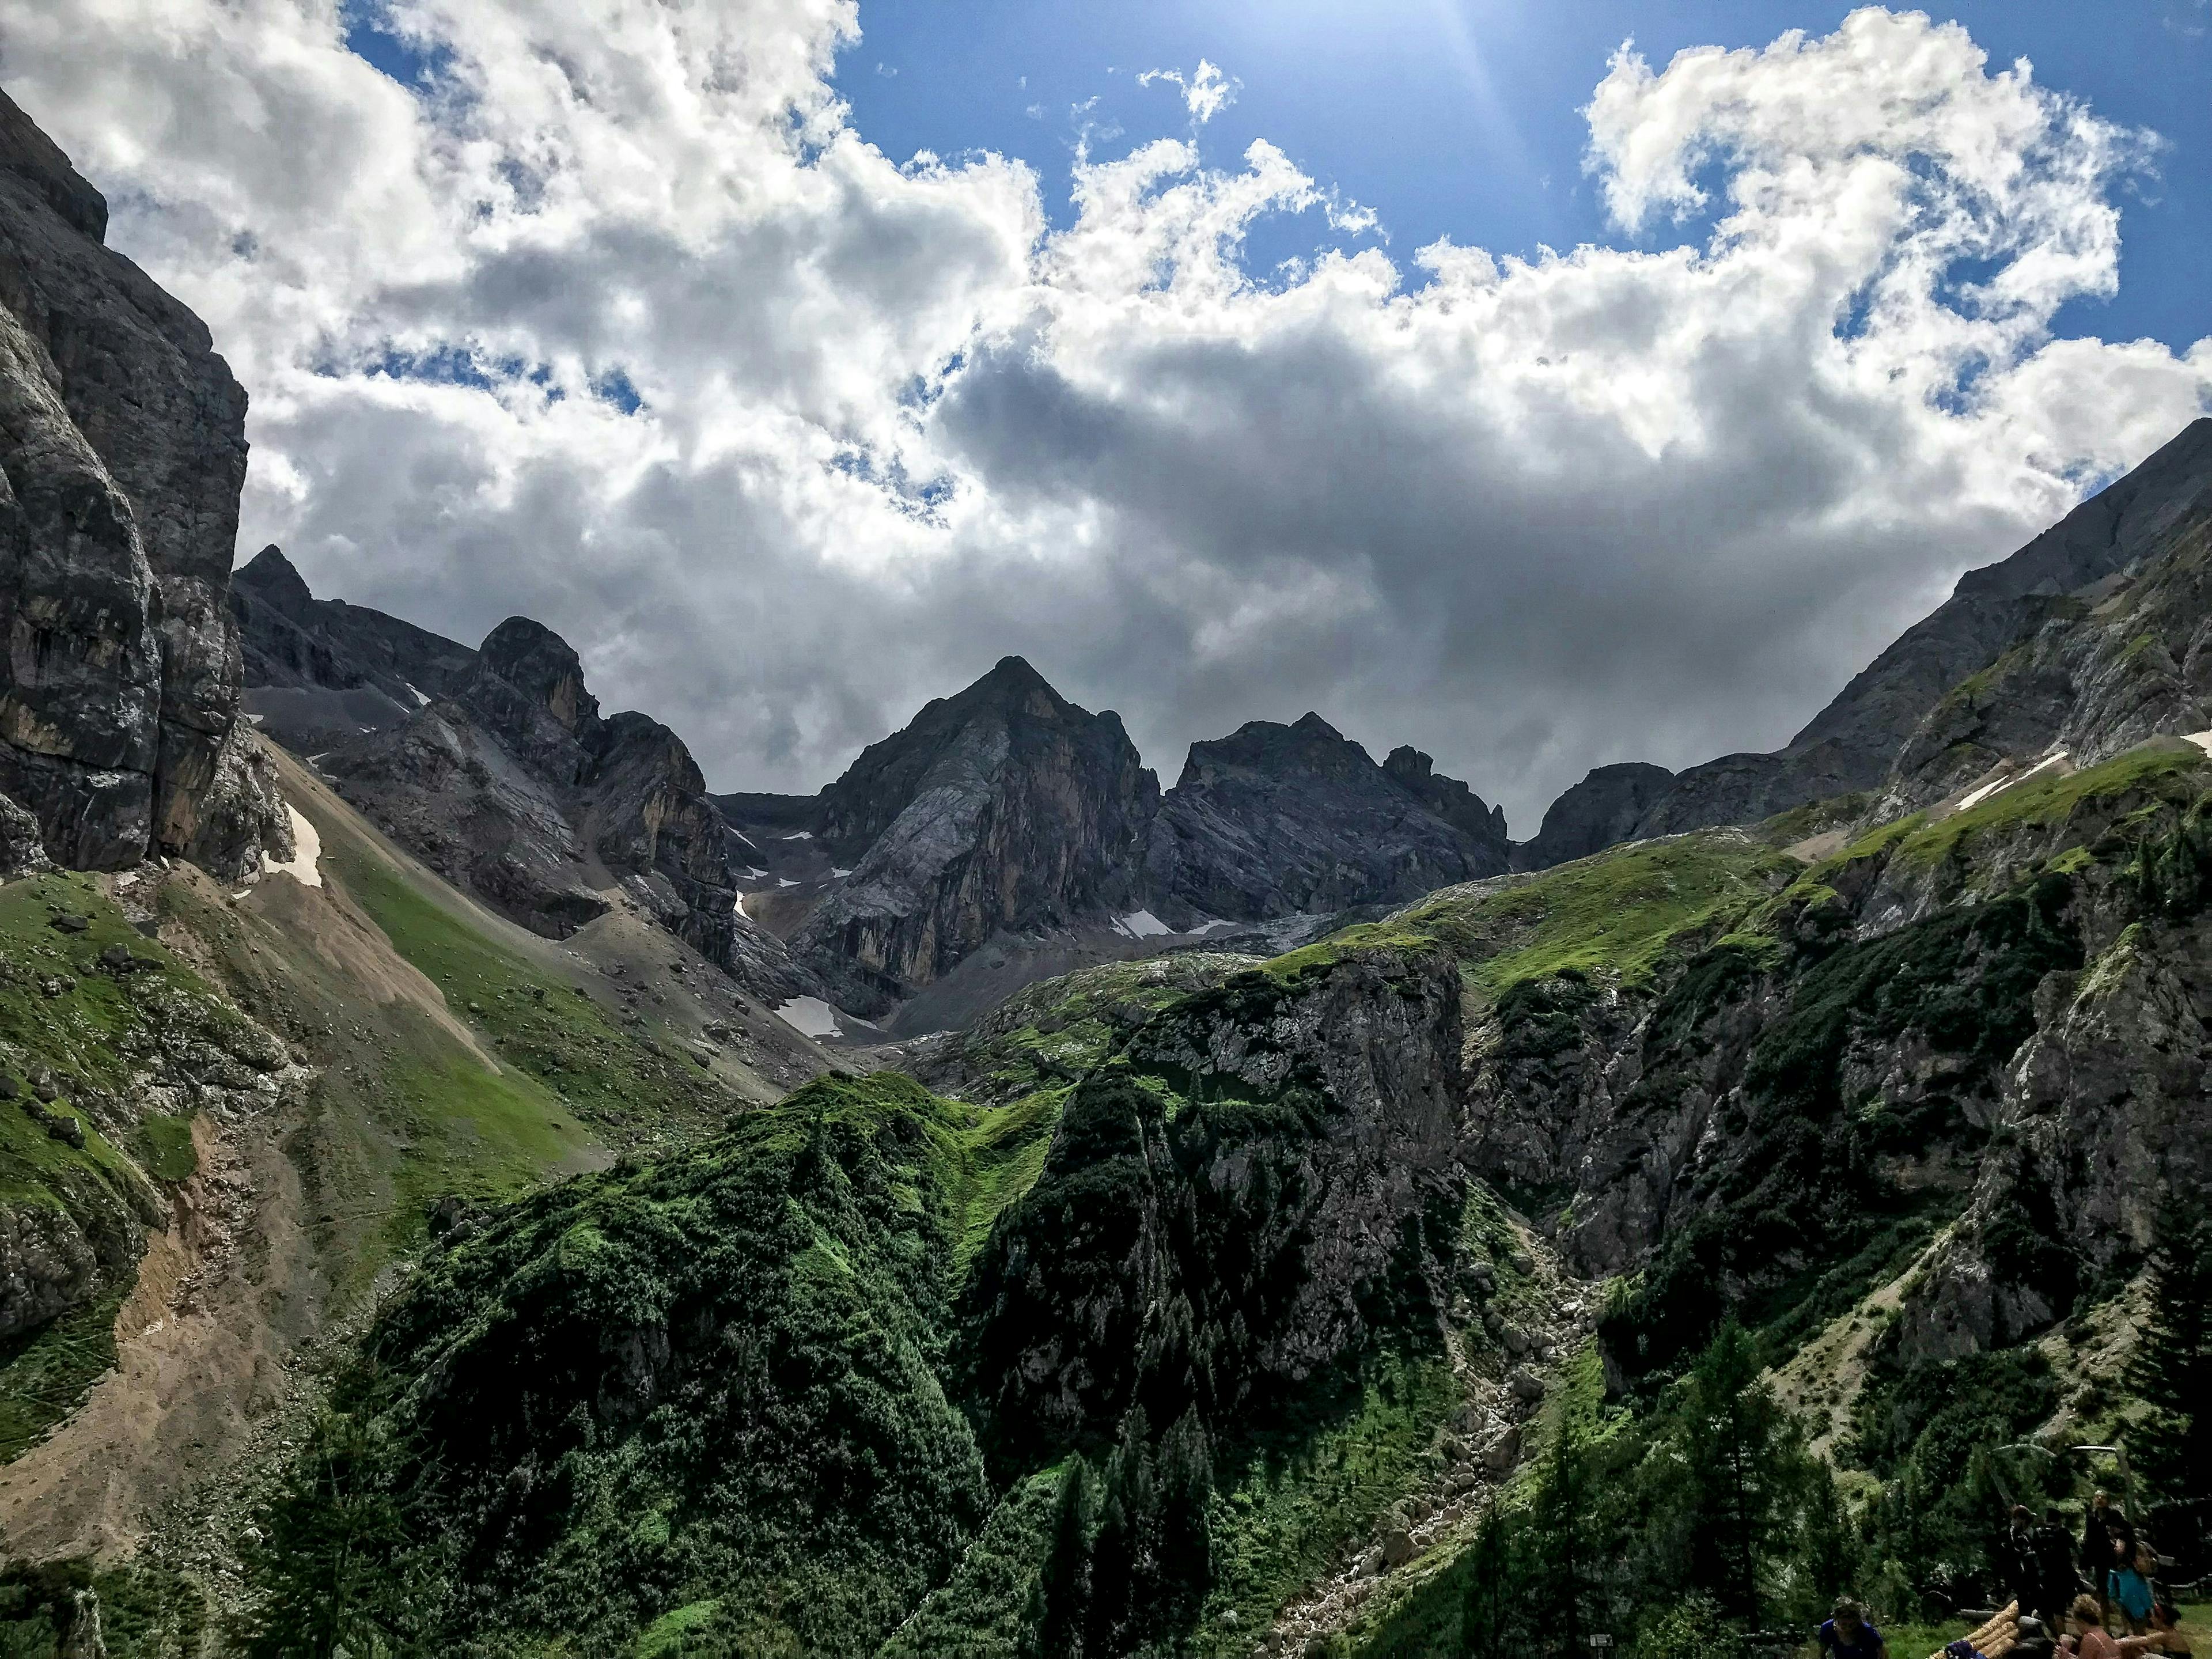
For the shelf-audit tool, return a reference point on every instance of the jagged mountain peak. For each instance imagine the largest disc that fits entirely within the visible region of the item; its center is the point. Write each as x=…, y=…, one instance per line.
x=274, y=579
x=545, y=668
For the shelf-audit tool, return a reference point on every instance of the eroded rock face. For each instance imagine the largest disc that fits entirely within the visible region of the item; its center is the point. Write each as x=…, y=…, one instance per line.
x=509, y=782
x=125, y=451
x=1273, y=820
x=1244, y=1239
x=1003, y=808
x=1602, y=810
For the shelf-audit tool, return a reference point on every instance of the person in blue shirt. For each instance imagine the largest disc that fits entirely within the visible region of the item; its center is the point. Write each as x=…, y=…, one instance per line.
x=2127, y=1585
x=1849, y=1635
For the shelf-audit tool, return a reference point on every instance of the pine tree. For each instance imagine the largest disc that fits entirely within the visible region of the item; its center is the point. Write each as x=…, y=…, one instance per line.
x=1739, y=1447
x=1186, y=1544
x=1491, y=1618
x=1059, y=1605
x=1561, y=1550
x=2170, y=1372
x=326, y=1567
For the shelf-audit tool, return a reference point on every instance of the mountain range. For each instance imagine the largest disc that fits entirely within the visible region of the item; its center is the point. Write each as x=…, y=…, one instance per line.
x=467, y=1188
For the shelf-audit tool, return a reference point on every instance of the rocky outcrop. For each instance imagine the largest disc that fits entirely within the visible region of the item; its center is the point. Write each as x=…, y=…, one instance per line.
x=1602, y=810
x=1927, y=707
x=122, y=442
x=514, y=785
x=1006, y=809
x=1224, y=1203
x=321, y=671
x=1273, y=820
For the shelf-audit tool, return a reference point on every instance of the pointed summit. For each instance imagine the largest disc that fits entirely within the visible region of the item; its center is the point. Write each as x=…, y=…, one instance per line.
x=272, y=577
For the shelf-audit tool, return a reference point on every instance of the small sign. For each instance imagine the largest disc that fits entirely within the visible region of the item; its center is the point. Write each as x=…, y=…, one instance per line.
x=1600, y=1639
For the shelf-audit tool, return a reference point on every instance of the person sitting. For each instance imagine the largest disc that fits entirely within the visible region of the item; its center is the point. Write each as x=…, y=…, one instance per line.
x=2127, y=1585
x=1848, y=1634
x=2096, y=1642
x=2166, y=1625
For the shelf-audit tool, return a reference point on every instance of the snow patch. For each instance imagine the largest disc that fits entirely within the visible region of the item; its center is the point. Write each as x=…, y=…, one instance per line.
x=785, y=881
x=1215, y=925
x=839, y=874
x=421, y=701
x=307, y=847
x=809, y=1016
x=2201, y=740
x=757, y=873
x=1143, y=924
x=2002, y=784
x=800, y=834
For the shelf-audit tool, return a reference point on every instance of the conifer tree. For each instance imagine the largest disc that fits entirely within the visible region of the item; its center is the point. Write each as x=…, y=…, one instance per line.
x=1740, y=1447
x=1059, y=1605
x=2173, y=1363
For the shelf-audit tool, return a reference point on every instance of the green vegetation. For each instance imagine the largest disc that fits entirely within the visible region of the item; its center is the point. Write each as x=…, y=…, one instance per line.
x=2173, y=1440
x=541, y=1023
x=707, y=1379
x=1704, y=1514
x=1799, y=1219
x=1005, y=1149
x=1054, y=1032
x=1619, y=913
x=96, y=1031
x=145, y=1612
x=1292, y=1495
x=2164, y=772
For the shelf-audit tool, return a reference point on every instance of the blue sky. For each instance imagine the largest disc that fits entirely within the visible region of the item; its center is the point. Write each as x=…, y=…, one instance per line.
x=1462, y=116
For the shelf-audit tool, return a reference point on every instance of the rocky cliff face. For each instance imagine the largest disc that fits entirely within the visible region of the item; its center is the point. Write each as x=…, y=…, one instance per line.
x=1967, y=1042
x=320, y=671
x=1277, y=819
x=1006, y=809
x=496, y=768
x=1225, y=1204
x=1929, y=693
x=122, y=443
x=1605, y=808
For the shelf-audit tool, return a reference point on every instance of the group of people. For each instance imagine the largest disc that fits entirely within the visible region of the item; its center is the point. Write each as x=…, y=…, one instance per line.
x=2120, y=1570
x=2048, y=1578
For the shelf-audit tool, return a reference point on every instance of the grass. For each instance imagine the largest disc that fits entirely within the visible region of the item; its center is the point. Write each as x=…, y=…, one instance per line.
x=1291, y=1499
x=544, y=1025
x=46, y=1373
x=983, y=1608
x=1619, y=913
x=2170, y=772
x=1054, y=1032
x=97, y=1038
x=1003, y=1151
x=166, y=1148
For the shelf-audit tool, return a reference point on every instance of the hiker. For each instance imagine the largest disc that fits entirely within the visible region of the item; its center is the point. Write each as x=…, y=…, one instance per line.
x=2098, y=1643
x=1848, y=1635
x=2099, y=1528
x=2127, y=1585
x=2023, y=1563
x=2057, y=1582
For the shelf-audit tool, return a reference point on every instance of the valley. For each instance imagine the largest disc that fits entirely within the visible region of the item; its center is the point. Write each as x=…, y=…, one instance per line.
x=467, y=1188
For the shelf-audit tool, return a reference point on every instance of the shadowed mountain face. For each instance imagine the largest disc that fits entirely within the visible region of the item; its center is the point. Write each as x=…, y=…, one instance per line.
x=496, y=768
x=1005, y=814
x=1853, y=744
x=122, y=442
x=1006, y=809
x=1277, y=819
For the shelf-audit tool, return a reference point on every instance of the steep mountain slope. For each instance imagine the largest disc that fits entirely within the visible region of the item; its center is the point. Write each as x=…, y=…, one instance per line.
x=496, y=767
x=277, y=1095
x=1004, y=810
x=123, y=448
x=1273, y=820
x=320, y=671
x=1853, y=744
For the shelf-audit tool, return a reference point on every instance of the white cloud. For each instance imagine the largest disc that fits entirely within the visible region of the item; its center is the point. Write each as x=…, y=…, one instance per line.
x=1654, y=501
x=1206, y=91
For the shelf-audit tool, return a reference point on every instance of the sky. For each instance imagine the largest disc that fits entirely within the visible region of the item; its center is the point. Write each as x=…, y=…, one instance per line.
x=1543, y=391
